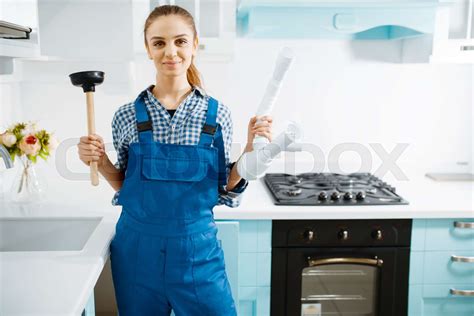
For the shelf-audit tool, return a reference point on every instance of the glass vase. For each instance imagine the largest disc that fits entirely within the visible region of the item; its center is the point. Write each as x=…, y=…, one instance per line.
x=27, y=186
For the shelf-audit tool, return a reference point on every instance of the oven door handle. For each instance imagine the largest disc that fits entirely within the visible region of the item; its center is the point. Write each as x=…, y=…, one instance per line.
x=372, y=262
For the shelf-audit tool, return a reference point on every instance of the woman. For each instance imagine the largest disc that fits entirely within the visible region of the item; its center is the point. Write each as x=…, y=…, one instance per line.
x=173, y=167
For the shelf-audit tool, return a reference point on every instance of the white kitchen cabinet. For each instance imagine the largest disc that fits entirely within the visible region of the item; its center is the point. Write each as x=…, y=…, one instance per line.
x=215, y=22
x=453, y=38
x=86, y=30
x=24, y=13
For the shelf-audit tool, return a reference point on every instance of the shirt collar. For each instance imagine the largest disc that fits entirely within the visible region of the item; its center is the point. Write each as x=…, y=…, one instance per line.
x=195, y=88
x=188, y=106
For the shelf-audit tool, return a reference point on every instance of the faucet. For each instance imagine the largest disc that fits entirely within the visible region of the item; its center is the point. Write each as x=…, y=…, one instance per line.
x=6, y=157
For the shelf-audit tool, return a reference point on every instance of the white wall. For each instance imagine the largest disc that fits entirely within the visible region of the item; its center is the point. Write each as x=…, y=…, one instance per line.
x=339, y=98
x=335, y=95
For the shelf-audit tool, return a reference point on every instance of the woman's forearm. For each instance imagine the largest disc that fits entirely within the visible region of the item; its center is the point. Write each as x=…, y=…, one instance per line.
x=234, y=178
x=111, y=174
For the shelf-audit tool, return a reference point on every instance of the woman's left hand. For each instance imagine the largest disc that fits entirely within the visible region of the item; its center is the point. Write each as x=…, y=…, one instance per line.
x=261, y=128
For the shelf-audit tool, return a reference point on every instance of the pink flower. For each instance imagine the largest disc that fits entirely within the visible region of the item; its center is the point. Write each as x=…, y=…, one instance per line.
x=30, y=145
x=8, y=139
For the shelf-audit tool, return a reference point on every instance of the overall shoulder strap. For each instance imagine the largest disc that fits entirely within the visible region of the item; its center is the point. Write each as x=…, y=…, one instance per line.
x=144, y=124
x=211, y=133
x=209, y=128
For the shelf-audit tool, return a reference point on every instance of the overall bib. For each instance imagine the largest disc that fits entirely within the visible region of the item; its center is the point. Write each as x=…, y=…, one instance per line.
x=165, y=254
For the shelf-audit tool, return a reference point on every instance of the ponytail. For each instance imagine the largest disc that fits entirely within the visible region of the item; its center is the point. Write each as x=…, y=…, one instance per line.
x=193, y=75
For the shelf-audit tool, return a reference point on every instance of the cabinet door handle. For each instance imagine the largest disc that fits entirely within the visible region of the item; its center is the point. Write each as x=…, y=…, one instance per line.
x=464, y=225
x=461, y=292
x=455, y=258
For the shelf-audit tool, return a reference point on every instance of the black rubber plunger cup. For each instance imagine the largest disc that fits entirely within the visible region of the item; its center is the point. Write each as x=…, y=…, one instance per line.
x=88, y=80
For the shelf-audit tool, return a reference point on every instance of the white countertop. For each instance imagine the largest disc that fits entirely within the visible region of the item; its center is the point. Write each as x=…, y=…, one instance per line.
x=53, y=282
x=427, y=199
x=59, y=283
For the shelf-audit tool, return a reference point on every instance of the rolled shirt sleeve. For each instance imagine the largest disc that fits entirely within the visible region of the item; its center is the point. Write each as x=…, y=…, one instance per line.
x=122, y=130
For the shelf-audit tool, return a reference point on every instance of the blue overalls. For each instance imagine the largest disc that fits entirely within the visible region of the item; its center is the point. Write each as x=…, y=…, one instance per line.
x=165, y=254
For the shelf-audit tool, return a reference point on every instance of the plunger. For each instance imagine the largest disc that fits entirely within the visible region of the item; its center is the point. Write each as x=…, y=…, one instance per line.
x=88, y=80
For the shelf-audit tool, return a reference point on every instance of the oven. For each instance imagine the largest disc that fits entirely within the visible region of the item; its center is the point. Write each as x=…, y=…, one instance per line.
x=340, y=267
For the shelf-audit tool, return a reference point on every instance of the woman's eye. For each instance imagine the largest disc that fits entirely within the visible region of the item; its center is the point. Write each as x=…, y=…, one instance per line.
x=181, y=41
x=159, y=43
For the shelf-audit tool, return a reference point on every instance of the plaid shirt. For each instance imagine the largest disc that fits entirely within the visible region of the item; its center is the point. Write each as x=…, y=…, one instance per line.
x=183, y=128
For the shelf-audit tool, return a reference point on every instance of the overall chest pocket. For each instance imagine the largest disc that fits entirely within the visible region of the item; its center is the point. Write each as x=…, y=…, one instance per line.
x=181, y=170
x=175, y=188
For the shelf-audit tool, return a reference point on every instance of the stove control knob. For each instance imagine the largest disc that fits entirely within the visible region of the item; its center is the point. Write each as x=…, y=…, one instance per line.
x=309, y=235
x=377, y=234
x=348, y=196
x=335, y=196
x=343, y=234
x=360, y=195
x=323, y=196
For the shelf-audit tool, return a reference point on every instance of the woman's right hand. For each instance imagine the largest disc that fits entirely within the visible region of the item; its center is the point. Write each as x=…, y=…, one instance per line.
x=91, y=148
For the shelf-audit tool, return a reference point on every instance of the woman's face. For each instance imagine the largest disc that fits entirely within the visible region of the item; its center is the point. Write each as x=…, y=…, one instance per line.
x=171, y=45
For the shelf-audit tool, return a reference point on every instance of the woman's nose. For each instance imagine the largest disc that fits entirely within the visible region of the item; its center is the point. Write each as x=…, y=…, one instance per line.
x=170, y=51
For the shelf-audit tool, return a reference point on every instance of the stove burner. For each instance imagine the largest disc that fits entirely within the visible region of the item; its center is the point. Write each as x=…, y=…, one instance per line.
x=331, y=189
x=293, y=192
x=294, y=179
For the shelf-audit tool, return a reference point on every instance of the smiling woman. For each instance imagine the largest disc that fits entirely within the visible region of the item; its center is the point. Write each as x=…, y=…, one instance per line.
x=173, y=148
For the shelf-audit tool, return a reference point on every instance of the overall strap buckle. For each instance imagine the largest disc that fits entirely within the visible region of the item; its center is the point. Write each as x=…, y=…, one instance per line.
x=209, y=129
x=144, y=126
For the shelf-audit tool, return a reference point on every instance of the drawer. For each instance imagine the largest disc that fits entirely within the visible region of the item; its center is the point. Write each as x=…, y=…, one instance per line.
x=441, y=268
x=441, y=234
x=436, y=300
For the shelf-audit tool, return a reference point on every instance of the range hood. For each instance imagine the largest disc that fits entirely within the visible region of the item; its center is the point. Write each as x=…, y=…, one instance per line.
x=340, y=19
x=14, y=31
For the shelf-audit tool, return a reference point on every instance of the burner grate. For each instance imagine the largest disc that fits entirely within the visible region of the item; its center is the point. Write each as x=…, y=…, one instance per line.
x=331, y=189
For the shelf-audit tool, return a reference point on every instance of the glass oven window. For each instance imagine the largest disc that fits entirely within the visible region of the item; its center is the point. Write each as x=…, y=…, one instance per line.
x=337, y=289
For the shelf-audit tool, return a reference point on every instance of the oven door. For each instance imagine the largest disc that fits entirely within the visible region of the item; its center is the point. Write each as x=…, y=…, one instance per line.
x=347, y=281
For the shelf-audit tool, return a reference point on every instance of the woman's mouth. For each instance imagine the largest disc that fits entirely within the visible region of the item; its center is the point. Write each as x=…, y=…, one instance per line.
x=171, y=63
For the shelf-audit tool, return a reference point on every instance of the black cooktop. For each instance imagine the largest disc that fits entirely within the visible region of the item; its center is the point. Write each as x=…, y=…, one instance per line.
x=331, y=189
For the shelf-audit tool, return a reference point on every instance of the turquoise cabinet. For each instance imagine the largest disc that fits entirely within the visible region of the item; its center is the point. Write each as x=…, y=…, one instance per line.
x=335, y=19
x=441, y=264
x=255, y=242
x=228, y=234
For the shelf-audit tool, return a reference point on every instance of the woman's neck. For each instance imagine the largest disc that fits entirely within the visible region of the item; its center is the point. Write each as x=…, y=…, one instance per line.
x=171, y=91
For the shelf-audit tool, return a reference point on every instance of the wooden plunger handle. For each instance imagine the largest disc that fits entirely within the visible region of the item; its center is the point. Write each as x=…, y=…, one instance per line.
x=91, y=130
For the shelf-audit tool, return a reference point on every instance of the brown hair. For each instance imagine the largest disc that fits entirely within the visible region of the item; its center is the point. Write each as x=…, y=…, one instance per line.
x=192, y=73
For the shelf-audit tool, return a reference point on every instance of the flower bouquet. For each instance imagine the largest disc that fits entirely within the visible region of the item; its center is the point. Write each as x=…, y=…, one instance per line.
x=27, y=142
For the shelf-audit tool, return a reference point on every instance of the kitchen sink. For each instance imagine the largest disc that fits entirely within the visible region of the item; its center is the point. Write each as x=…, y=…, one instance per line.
x=46, y=234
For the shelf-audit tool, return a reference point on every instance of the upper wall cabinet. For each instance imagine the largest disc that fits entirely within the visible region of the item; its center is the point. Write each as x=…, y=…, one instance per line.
x=19, y=29
x=453, y=39
x=215, y=22
x=343, y=19
x=86, y=30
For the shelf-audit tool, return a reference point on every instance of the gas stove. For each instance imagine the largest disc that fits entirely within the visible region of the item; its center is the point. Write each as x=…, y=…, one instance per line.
x=331, y=189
